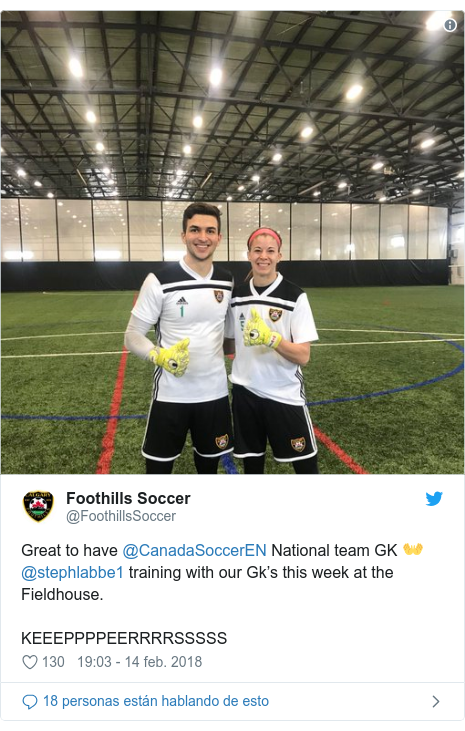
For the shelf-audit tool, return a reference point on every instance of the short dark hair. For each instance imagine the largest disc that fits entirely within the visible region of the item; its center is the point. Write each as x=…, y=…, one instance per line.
x=201, y=209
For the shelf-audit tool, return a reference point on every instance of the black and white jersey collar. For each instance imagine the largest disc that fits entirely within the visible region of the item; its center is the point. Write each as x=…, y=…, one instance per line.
x=269, y=290
x=194, y=274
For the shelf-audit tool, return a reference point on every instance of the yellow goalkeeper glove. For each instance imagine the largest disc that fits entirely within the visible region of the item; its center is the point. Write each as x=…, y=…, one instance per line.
x=256, y=332
x=174, y=360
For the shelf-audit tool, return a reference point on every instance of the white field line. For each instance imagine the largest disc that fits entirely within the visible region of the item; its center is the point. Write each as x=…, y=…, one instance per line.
x=382, y=342
x=62, y=355
x=314, y=345
x=63, y=335
x=386, y=332
x=320, y=329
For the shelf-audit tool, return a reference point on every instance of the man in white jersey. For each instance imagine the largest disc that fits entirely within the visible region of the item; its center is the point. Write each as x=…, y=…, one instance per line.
x=272, y=324
x=187, y=301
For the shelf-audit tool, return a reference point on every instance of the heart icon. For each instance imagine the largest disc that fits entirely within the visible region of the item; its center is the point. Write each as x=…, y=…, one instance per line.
x=30, y=661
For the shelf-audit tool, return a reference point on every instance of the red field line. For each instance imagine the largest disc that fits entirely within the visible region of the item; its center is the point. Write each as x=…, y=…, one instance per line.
x=336, y=449
x=108, y=441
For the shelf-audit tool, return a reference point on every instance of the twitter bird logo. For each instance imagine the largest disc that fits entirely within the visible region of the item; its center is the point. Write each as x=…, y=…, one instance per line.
x=433, y=499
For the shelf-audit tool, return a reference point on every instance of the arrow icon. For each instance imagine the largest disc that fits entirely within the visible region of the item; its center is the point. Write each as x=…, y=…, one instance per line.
x=437, y=701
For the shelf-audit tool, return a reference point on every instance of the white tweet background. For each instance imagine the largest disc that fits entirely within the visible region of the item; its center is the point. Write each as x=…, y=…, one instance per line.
x=284, y=635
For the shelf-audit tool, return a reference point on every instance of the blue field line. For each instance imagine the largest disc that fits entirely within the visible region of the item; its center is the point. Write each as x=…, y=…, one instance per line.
x=229, y=465
x=430, y=381
x=399, y=389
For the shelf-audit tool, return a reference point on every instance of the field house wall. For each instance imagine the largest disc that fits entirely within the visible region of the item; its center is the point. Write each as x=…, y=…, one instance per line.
x=68, y=276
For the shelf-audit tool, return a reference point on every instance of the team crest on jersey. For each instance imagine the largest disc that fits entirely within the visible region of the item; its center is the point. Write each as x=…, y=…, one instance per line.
x=222, y=442
x=275, y=314
x=219, y=295
x=298, y=444
x=38, y=504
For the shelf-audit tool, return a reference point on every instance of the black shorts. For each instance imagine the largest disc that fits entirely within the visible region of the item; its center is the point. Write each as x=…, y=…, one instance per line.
x=209, y=423
x=288, y=428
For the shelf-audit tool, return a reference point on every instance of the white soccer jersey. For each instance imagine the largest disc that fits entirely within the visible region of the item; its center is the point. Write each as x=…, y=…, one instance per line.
x=285, y=309
x=182, y=304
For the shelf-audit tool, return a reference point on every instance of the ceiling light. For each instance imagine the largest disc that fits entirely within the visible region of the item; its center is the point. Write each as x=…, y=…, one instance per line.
x=354, y=92
x=187, y=149
x=197, y=121
x=377, y=165
x=2, y=150
x=106, y=171
x=50, y=194
x=75, y=68
x=317, y=192
x=100, y=147
x=90, y=116
x=229, y=198
x=179, y=172
x=416, y=191
x=216, y=76
x=256, y=178
x=306, y=132
x=74, y=216
x=37, y=184
x=277, y=157
x=60, y=203
x=342, y=185
x=21, y=173
x=460, y=175
x=241, y=187
x=111, y=181
x=429, y=142
x=436, y=20
x=382, y=199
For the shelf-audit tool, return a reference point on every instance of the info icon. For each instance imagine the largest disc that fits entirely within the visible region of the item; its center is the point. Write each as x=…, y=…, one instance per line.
x=450, y=25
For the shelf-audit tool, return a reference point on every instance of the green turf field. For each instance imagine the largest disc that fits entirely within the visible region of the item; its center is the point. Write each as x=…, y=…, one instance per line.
x=360, y=351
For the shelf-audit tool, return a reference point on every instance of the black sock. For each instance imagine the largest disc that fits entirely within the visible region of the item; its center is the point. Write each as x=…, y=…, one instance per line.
x=254, y=465
x=155, y=467
x=206, y=465
x=306, y=466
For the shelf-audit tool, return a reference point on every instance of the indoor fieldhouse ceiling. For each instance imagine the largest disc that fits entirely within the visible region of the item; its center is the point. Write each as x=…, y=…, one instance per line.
x=146, y=75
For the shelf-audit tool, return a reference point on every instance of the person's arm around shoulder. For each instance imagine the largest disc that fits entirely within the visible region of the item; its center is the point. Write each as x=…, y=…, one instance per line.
x=303, y=332
x=298, y=353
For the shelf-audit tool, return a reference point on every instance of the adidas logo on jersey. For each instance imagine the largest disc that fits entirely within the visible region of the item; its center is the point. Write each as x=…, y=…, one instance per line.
x=182, y=301
x=242, y=320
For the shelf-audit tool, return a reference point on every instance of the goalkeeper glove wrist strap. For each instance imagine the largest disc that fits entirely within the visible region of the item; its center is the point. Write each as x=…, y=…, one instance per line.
x=275, y=339
x=153, y=355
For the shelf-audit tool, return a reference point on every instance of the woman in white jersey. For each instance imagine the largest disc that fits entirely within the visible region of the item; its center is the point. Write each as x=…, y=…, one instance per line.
x=273, y=325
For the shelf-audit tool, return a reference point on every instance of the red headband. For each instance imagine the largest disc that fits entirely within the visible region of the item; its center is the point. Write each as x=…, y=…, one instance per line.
x=266, y=232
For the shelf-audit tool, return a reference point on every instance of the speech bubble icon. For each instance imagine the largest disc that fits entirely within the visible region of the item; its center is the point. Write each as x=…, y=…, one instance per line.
x=30, y=701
